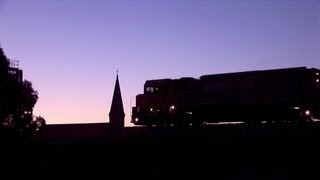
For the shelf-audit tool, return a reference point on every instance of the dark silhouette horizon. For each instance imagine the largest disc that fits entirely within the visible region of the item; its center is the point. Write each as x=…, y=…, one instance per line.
x=230, y=151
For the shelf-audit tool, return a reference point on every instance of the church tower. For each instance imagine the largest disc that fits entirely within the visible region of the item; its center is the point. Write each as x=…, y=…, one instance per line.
x=116, y=115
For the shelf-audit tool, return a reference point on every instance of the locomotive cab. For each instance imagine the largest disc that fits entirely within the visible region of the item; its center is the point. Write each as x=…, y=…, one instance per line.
x=152, y=107
x=166, y=101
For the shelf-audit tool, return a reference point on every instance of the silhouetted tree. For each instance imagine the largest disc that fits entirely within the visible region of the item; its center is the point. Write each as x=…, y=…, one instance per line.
x=39, y=123
x=4, y=73
x=17, y=99
x=4, y=67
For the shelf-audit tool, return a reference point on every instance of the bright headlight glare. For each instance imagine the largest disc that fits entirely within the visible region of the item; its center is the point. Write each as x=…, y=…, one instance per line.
x=307, y=112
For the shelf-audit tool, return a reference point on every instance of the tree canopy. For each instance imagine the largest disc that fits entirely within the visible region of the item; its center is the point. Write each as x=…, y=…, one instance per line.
x=17, y=99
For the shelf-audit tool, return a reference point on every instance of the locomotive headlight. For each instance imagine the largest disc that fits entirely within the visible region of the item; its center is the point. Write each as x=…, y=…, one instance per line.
x=296, y=107
x=172, y=109
x=307, y=113
x=151, y=109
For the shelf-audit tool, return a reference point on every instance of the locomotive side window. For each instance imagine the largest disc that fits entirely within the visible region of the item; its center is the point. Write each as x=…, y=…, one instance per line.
x=152, y=90
x=149, y=89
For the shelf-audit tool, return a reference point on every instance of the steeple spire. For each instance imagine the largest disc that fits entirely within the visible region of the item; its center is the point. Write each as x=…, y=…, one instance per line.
x=116, y=115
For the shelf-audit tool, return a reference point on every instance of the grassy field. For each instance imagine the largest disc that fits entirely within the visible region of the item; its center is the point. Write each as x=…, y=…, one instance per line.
x=237, y=151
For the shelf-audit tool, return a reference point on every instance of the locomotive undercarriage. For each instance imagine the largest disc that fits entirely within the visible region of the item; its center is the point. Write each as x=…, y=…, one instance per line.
x=250, y=113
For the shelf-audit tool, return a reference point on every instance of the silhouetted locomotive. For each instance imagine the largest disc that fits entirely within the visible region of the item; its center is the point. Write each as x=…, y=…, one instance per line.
x=275, y=95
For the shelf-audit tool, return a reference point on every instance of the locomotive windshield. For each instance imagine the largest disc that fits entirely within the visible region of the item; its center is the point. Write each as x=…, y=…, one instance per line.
x=155, y=86
x=152, y=90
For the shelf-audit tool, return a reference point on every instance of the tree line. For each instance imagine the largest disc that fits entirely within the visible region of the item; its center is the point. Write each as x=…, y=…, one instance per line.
x=17, y=100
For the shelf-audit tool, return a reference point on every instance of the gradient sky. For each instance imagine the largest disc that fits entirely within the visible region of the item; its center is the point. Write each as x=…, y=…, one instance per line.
x=71, y=49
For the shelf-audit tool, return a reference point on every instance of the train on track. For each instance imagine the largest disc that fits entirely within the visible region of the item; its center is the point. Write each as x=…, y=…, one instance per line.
x=272, y=95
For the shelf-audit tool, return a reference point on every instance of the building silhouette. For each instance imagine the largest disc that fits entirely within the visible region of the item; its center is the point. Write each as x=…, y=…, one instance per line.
x=15, y=71
x=116, y=114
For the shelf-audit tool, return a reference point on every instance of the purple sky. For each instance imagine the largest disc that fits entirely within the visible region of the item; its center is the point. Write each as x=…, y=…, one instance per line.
x=71, y=49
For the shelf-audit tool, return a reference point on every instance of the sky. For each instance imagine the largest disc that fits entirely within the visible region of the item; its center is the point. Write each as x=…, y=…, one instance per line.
x=71, y=49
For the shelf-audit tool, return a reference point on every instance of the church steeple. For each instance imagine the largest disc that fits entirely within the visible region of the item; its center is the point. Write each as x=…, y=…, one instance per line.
x=116, y=115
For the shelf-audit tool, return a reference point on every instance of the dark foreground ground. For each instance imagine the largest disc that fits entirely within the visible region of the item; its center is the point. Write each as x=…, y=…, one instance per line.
x=239, y=151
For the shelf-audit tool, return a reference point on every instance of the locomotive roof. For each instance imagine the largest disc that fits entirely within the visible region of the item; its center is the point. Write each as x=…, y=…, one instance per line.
x=160, y=82
x=245, y=73
x=156, y=82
